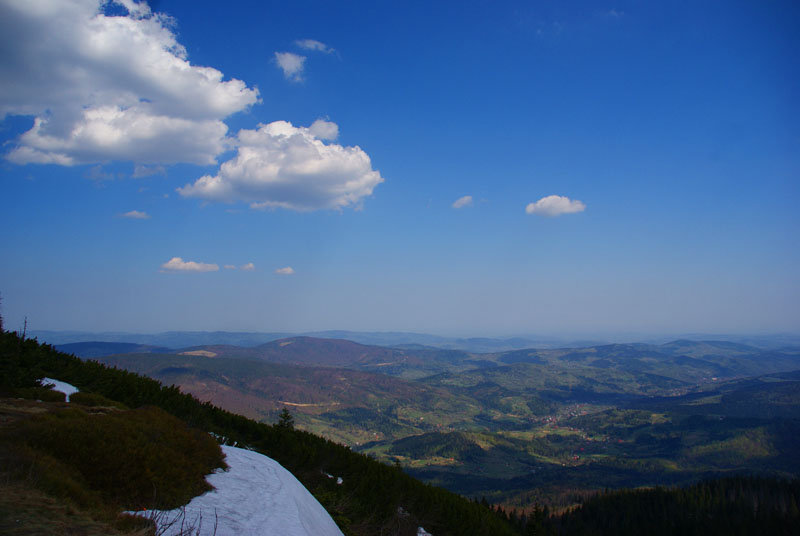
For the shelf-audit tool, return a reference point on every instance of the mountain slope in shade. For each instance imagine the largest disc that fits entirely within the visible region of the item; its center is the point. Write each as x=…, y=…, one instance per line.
x=255, y=496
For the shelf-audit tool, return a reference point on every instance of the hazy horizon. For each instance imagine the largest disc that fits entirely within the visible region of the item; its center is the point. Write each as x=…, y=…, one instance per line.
x=770, y=339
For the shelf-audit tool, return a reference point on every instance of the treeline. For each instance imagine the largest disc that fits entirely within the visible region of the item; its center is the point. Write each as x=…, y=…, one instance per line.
x=374, y=498
x=726, y=507
x=446, y=445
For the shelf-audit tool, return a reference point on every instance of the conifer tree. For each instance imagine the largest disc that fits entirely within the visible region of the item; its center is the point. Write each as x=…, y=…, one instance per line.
x=285, y=420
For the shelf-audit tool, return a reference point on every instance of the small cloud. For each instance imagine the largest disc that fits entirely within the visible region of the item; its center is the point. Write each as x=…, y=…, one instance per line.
x=324, y=130
x=136, y=215
x=177, y=264
x=96, y=173
x=313, y=44
x=229, y=267
x=249, y=267
x=555, y=205
x=140, y=171
x=291, y=64
x=285, y=271
x=616, y=14
x=462, y=202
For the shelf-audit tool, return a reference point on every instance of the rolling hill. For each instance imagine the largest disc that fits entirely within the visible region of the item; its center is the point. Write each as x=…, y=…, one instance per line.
x=504, y=424
x=348, y=405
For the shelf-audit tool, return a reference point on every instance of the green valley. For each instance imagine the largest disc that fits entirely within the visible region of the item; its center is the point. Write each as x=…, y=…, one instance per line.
x=519, y=427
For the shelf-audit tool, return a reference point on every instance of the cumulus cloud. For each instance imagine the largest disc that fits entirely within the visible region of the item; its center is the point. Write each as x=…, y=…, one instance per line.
x=136, y=215
x=279, y=165
x=313, y=44
x=285, y=271
x=555, y=205
x=462, y=202
x=249, y=267
x=229, y=267
x=109, y=87
x=177, y=264
x=291, y=64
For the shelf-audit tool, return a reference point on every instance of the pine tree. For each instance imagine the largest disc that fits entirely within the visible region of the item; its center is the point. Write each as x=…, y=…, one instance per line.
x=285, y=420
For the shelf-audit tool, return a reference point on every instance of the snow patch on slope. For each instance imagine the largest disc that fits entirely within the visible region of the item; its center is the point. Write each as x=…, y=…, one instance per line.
x=256, y=495
x=61, y=387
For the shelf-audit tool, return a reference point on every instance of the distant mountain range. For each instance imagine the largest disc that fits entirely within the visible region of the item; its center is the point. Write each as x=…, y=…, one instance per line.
x=184, y=339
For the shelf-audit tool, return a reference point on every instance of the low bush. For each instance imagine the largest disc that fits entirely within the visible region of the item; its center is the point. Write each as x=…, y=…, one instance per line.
x=40, y=393
x=94, y=400
x=143, y=458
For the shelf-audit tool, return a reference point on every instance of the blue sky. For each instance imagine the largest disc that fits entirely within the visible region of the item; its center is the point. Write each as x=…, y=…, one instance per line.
x=622, y=167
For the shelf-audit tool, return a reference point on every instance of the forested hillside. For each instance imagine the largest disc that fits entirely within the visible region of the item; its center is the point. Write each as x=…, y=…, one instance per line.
x=725, y=507
x=374, y=497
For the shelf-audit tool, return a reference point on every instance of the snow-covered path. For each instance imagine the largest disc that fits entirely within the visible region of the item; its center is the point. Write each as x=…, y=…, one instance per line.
x=256, y=496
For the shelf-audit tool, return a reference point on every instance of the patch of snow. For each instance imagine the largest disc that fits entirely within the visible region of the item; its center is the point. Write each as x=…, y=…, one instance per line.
x=61, y=387
x=339, y=480
x=423, y=532
x=255, y=496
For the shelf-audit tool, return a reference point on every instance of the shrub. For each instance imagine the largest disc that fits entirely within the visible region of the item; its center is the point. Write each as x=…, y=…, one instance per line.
x=40, y=393
x=143, y=458
x=94, y=400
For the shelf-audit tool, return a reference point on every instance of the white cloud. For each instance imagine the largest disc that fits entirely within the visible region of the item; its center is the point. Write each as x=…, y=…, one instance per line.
x=282, y=166
x=313, y=44
x=324, y=130
x=177, y=264
x=462, y=202
x=229, y=267
x=96, y=173
x=136, y=215
x=140, y=171
x=291, y=64
x=249, y=267
x=285, y=271
x=105, y=87
x=555, y=205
